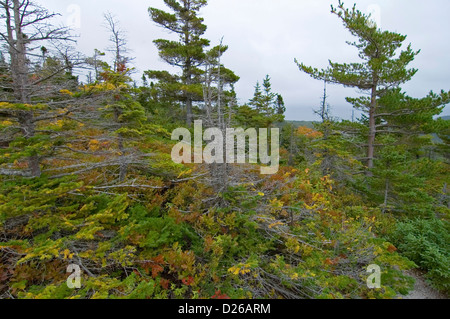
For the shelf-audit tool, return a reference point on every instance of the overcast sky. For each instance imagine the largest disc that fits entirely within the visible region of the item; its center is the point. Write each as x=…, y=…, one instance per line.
x=264, y=37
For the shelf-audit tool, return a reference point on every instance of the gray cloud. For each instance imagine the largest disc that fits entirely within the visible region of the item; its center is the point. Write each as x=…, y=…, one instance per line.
x=266, y=35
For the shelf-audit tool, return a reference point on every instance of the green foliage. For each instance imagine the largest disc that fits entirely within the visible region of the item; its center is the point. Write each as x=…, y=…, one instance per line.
x=383, y=64
x=110, y=199
x=188, y=53
x=265, y=109
x=427, y=243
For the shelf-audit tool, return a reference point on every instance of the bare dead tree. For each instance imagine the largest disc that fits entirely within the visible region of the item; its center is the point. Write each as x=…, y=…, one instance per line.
x=215, y=118
x=119, y=45
x=26, y=29
x=119, y=49
x=219, y=104
x=117, y=120
x=324, y=110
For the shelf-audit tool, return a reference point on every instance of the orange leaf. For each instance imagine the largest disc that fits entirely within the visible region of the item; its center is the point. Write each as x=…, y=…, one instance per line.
x=188, y=281
x=164, y=283
x=391, y=248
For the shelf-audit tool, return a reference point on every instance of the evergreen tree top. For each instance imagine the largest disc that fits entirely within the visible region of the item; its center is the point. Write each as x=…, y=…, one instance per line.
x=382, y=64
x=185, y=11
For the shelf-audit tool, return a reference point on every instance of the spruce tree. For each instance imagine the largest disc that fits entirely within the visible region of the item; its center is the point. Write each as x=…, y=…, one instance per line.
x=382, y=66
x=187, y=53
x=405, y=132
x=269, y=105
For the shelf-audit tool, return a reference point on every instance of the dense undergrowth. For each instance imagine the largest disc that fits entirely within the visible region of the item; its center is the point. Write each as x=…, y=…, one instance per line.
x=87, y=177
x=291, y=235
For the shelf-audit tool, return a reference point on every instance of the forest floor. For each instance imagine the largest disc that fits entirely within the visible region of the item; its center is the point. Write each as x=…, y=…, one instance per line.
x=422, y=290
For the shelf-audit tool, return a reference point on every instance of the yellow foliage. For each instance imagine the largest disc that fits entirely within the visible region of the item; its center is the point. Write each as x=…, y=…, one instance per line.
x=292, y=245
x=59, y=123
x=185, y=173
x=240, y=269
x=66, y=92
x=94, y=145
x=278, y=223
x=67, y=254
x=306, y=250
x=276, y=203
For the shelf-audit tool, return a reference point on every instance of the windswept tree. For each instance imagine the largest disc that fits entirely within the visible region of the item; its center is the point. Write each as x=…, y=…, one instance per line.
x=119, y=119
x=391, y=120
x=406, y=129
x=123, y=108
x=30, y=84
x=188, y=53
x=218, y=89
x=219, y=97
x=118, y=41
x=382, y=67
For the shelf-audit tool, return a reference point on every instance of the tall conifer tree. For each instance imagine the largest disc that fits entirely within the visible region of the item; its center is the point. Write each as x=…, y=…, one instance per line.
x=187, y=53
x=382, y=66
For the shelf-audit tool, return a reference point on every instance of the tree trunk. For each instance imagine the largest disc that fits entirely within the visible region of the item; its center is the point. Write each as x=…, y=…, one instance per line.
x=188, y=110
x=372, y=130
x=291, y=148
x=386, y=195
x=28, y=130
x=188, y=80
x=19, y=71
x=19, y=66
x=123, y=167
